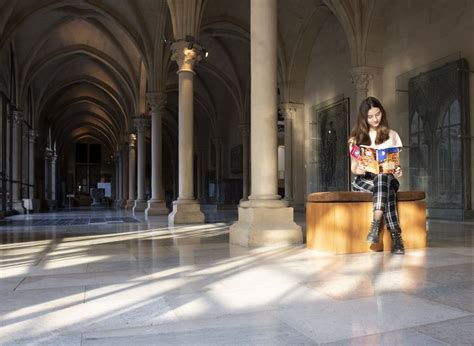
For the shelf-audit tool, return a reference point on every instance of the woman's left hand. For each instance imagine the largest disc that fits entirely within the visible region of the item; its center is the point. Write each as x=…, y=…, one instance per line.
x=398, y=172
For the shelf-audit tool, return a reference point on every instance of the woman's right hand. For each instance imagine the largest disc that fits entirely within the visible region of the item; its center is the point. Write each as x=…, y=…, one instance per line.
x=360, y=169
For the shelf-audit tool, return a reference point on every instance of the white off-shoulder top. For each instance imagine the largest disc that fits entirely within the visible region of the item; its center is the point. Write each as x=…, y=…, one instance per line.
x=392, y=141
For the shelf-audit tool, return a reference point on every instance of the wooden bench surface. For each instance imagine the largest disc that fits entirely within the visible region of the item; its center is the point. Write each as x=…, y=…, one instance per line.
x=347, y=196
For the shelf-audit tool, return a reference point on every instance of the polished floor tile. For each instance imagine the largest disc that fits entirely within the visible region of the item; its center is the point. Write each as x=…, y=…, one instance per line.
x=145, y=283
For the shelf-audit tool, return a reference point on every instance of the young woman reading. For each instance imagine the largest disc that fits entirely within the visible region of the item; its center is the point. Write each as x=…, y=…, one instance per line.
x=372, y=130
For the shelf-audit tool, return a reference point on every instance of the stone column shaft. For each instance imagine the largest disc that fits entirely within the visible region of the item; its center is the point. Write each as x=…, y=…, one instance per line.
x=125, y=174
x=245, y=134
x=17, y=118
x=263, y=134
x=185, y=140
x=31, y=174
x=132, y=172
x=157, y=205
x=141, y=124
x=118, y=180
x=289, y=113
x=54, y=159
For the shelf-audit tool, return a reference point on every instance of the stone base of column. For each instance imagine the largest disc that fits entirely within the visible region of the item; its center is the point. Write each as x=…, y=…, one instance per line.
x=265, y=226
x=130, y=204
x=123, y=204
x=118, y=204
x=156, y=207
x=186, y=212
x=140, y=205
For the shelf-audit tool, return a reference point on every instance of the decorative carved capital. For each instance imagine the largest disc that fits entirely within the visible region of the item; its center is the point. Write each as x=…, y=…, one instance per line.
x=33, y=135
x=17, y=117
x=244, y=130
x=361, y=76
x=132, y=139
x=288, y=110
x=156, y=101
x=186, y=58
x=141, y=123
x=217, y=141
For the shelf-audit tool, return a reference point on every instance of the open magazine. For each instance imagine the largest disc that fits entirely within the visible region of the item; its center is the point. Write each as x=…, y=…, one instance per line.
x=377, y=160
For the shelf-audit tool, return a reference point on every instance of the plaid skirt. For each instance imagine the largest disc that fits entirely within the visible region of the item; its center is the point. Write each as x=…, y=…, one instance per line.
x=384, y=188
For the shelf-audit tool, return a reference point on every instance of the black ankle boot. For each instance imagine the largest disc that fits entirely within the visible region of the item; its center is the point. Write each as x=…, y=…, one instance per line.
x=373, y=236
x=397, y=242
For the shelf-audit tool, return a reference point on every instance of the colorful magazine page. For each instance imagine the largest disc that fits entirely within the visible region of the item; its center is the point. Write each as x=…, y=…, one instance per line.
x=380, y=160
x=388, y=159
x=368, y=159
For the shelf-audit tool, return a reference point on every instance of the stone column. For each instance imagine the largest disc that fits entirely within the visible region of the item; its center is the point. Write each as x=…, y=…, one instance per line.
x=132, y=172
x=125, y=168
x=289, y=112
x=54, y=159
x=245, y=134
x=141, y=124
x=47, y=174
x=218, y=150
x=264, y=219
x=118, y=179
x=17, y=118
x=33, y=135
x=157, y=204
x=186, y=208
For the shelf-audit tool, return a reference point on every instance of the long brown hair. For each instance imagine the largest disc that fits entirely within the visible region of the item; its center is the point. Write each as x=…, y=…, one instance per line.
x=360, y=131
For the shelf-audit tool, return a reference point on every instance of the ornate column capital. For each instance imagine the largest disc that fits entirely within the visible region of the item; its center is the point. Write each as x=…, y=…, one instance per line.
x=217, y=141
x=244, y=130
x=157, y=102
x=186, y=57
x=361, y=76
x=48, y=153
x=141, y=123
x=33, y=135
x=132, y=139
x=17, y=117
x=288, y=110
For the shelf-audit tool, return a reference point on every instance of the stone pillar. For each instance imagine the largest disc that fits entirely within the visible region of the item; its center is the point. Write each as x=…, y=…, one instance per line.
x=186, y=208
x=264, y=219
x=245, y=134
x=141, y=124
x=125, y=168
x=47, y=174
x=54, y=159
x=289, y=112
x=33, y=135
x=132, y=172
x=157, y=204
x=17, y=118
x=118, y=179
x=218, y=154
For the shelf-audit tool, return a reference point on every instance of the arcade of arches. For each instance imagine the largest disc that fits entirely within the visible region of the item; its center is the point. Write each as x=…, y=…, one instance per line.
x=156, y=157
x=181, y=105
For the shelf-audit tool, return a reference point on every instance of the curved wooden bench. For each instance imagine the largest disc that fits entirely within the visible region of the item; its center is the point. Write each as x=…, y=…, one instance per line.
x=338, y=222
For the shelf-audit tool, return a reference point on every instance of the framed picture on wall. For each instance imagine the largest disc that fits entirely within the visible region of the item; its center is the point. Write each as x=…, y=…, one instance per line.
x=329, y=159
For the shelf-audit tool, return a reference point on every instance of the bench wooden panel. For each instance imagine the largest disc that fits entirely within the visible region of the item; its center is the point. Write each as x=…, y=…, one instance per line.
x=338, y=222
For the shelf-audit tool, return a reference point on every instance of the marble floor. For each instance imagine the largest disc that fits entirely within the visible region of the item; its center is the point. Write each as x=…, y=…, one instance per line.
x=120, y=279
